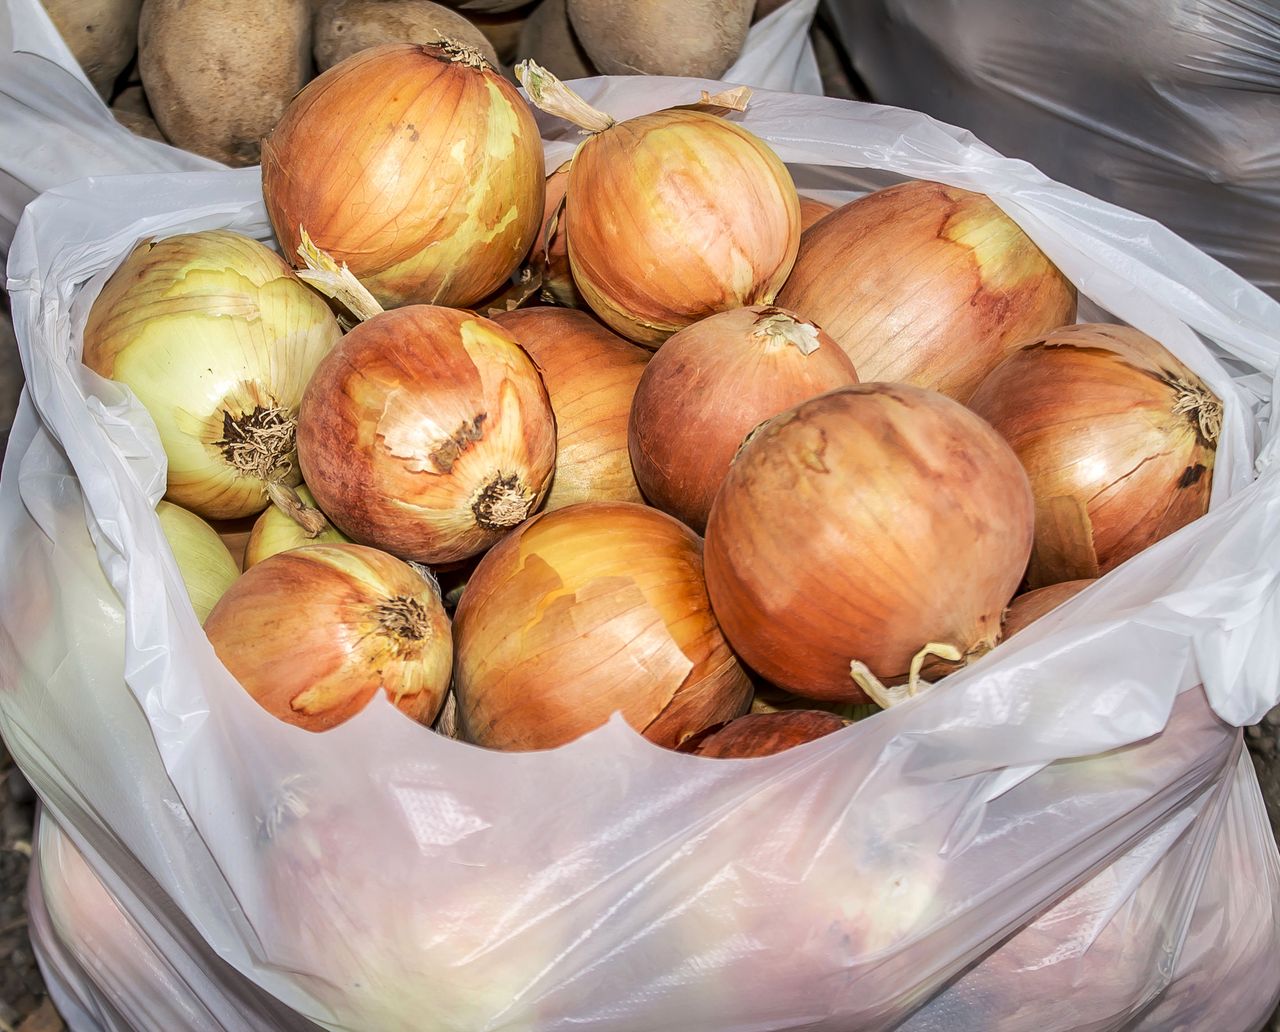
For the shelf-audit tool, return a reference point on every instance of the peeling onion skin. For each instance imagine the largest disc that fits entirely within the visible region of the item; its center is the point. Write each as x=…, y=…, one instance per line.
x=1028, y=607
x=313, y=633
x=428, y=433
x=763, y=734
x=674, y=216
x=435, y=200
x=594, y=608
x=1092, y=413
x=926, y=284
x=862, y=525
x=590, y=374
x=708, y=387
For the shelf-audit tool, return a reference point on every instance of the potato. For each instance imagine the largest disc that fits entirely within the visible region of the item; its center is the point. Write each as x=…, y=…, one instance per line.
x=138, y=124
x=488, y=6
x=549, y=39
x=103, y=34
x=132, y=98
x=662, y=37
x=502, y=30
x=219, y=73
x=764, y=8
x=345, y=27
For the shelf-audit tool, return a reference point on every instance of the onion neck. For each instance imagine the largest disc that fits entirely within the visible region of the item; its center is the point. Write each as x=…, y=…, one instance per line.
x=776, y=329
x=886, y=696
x=551, y=95
x=333, y=280
x=286, y=499
x=1201, y=407
x=502, y=503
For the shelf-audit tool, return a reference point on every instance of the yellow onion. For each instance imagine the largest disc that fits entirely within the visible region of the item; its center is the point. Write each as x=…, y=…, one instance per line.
x=926, y=284
x=551, y=248
x=586, y=611
x=706, y=389
x=1117, y=436
x=763, y=734
x=1028, y=607
x=206, y=564
x=812, y=211
x=590, y=375
x=419, y=166
x=874, y=524
x=671, y=216
x=428, y=433
x=313, y=633
x=275, y=531
x=217, y=338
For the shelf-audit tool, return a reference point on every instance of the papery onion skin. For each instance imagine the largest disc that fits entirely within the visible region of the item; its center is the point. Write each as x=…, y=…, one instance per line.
x=926, y=284
x=594, y=608
x=207, y=566
x=1117, y=436
x=313, y=633
x=275, y=532
x=676, y=215
x=553, y=258
x=421, y=169
x=1028, y=607
x=812, y=211
x=427, y=433
x=763, y=734
x=709, y=386
x=217, y=338
x=590, y=374
x=862, y=525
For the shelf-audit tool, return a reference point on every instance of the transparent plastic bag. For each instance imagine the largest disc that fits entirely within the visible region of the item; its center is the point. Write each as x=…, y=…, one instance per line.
x=382, y=877
x=1168, y=107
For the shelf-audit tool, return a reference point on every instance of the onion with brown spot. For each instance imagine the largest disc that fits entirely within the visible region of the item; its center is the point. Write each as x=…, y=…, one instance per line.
x=864, y=525
x=427, y=432
x=313, y=633
x=419, y=166
x=1118, y=438
x=926, y=284
x=595, y=608
x=591, y=376
x=708, y=386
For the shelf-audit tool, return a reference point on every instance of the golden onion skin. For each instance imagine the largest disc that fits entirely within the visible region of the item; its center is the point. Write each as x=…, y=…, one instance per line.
x=926, y=284
x=313, y=634
x=591, y=609
x=422, y=171
x=217, y=338
x=551, y=255
x=1117, y=436
x=675, y=215
x=1028, y=607
x=591, y=376
x=275, y=531
x=207, y=566
x=763, y=734
x=862, y=525
x=428, y=433
x=812, y=211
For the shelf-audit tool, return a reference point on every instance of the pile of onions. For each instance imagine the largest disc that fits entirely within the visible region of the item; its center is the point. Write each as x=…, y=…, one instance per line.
x=670, y=216
x=926, y=284
x=217, y=338
x=595, y=608
x=313, y=633
x=206, y=564
x=276, y=531
x=551, y=247
x=418, y=166
x=709, y=386
x=1117, y=436
x=1027, y=608
x=590, y=375
x=428, y=433
x=763, y=734
x=867, y=525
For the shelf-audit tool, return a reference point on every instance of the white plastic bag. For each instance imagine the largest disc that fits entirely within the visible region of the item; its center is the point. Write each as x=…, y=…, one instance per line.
x=381, y=877
x=1169, y=107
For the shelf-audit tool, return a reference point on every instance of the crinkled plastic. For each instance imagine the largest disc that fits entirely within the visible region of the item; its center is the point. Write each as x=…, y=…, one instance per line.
x=1168, y=107
x=1072, y=788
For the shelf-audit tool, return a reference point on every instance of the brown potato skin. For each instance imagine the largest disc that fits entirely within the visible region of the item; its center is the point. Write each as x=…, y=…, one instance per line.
x=102, y=34
x=549, y=39
x=345, y=27
x=699, y=38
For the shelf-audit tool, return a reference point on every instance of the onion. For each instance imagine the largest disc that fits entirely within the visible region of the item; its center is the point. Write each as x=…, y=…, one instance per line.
x=874, y=524
x=275, y=531
x=671, y=216
x=428, y=433
x=763, y=734
x=595, y=608
x=812, y=211
x=1117, y=436
x=217, y=338
x=551, y=248
x=1027, y=608
x=590, y=375
x=709, y=386
x=206, y=564
x=313, y=633
x=926, y=284
x=418, y=166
